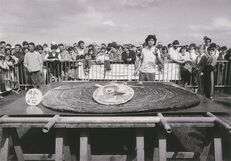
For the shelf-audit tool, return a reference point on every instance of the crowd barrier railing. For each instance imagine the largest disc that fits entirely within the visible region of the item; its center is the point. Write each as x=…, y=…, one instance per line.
x=57, y=71
x=221, y=74
x=9, y=80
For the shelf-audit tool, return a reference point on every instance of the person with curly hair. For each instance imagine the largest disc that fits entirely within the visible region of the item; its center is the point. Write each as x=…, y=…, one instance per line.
x=150, y=57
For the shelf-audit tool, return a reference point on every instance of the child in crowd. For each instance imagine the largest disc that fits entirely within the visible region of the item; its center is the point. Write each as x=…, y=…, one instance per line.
x=185, y=68
x=199, y=68
x=87, y=62
x=11, y=76
x=208, y=72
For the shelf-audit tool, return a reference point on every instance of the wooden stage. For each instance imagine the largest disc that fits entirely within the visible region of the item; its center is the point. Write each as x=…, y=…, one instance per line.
x=163, y=124
x=158, y=123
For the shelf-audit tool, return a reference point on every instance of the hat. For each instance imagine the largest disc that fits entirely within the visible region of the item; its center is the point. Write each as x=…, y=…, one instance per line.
x=175, y=42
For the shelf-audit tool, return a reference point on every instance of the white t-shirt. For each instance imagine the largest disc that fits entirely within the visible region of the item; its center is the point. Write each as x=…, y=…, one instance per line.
x=193, y=55
x=101, y=57
x=33, y=61
x=149, y=60
x=80, y=51
x=174, y=53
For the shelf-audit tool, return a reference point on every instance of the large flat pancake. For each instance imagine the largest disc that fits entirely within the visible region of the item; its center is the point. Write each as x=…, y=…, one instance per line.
x=147, y=97
x=19, y=106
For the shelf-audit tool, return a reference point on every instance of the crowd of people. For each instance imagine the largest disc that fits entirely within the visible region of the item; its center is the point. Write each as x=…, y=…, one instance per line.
x=197, y=61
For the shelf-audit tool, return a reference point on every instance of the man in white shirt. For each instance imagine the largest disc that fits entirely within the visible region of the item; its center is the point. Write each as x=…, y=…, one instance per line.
x=149, y=57
x=174, y=66
x=192, y=52
x=33, y=63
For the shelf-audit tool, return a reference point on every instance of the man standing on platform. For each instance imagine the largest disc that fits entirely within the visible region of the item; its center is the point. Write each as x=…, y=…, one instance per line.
x=33, y=62
x=149, y=58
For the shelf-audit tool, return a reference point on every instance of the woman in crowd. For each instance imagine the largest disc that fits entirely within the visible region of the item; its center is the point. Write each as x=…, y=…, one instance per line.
x=185, y=67
x=40, y=50
x=208, y=72
x=147, y=67
x=11, y=77
x=128, y=57
x=104, y=59
x=3, y=68
x=199, y=68
x=87, y=62
x=174, y=65
x=102, y=56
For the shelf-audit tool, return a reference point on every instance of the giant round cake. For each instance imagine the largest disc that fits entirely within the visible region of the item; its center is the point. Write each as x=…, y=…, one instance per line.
x=82, y=97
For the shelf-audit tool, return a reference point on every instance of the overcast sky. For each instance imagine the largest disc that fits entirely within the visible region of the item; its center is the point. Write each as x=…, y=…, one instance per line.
x=124, y=21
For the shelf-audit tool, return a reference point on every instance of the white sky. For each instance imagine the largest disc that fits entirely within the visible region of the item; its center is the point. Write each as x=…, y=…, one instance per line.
x=130, y=21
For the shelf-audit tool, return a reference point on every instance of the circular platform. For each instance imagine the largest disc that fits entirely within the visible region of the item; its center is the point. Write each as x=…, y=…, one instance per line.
x=149, y=96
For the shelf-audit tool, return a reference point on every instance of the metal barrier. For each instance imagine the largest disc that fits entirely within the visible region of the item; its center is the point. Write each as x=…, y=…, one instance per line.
x=56, y=71
x=221, y=74
x=9, y=79
x=107, y=71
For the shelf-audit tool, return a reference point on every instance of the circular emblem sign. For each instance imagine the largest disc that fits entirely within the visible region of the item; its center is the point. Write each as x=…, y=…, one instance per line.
x=113, y=94
x=33, y=97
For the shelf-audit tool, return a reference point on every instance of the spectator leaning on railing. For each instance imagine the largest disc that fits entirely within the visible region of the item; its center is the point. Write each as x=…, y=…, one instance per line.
x=65, y=56
x=33, y=63
x=53, y=58
x=128, y=56
x=185, y=67
x=3, y=68
x=87, y=62
x=63, y=59
x=11, y=75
